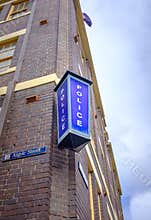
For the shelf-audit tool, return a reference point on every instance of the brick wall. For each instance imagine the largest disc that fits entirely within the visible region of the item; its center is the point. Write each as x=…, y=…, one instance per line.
x=82, y=192
x=25, y=183
x=43, y=186
x=47, y=186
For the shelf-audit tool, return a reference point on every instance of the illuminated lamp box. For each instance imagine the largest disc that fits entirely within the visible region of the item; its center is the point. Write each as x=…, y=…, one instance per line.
x=73, y=111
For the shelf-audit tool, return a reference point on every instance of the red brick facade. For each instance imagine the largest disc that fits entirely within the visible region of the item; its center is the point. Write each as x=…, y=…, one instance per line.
x=50, y=186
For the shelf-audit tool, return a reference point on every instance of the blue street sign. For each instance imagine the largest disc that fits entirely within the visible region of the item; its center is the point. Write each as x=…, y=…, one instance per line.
x=73, y=111
x=25, y=153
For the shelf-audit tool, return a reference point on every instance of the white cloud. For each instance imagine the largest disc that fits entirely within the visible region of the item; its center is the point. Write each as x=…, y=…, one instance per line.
x=140, y=207
x=121, y=49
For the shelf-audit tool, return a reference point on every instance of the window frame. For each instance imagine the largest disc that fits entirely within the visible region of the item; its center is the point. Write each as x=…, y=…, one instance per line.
x=14, y=36
x=13, y=12
x=9, y=57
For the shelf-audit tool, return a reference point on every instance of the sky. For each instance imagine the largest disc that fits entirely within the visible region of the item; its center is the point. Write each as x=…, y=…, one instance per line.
x=120, y=42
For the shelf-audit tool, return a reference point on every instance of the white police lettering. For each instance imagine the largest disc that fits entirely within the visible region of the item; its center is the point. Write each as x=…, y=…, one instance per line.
x=79, y=123
x=79, y=114
x=63, y=118
x=79, y=93
x=62, y=110
x=79, y=107
x=79, y=101
x=62, y=105
x=63, y=126
x=62, y=96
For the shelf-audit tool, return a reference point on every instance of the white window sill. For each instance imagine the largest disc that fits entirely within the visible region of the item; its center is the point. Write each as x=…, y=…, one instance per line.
x=10, y=70
x=27, y=13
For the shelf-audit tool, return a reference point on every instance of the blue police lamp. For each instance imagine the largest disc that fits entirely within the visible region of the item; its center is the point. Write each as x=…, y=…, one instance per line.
x=73, y=111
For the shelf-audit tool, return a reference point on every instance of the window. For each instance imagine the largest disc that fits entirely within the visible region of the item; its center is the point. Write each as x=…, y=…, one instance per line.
x=18, y=9
x=6, y=54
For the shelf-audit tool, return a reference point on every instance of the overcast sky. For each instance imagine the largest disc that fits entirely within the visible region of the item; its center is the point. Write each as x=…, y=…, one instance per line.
x=120, y=42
